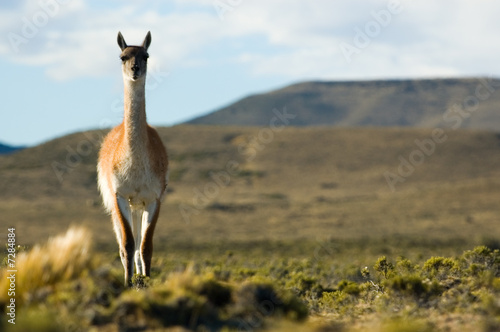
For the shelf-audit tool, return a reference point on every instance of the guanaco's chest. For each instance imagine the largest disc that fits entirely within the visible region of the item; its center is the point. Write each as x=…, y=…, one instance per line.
x=135, y=181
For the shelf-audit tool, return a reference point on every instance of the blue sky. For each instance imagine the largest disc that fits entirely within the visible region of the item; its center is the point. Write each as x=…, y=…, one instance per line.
x=61, y=71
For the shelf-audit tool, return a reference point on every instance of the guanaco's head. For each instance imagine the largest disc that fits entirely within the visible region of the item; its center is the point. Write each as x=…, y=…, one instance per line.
x=134, y=58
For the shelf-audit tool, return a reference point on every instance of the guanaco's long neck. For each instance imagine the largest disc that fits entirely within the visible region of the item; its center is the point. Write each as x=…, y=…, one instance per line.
x=135, y=114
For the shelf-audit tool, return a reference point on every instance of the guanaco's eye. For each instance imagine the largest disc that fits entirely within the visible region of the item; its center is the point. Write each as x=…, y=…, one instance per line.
x=146, y=56
x=123, y=58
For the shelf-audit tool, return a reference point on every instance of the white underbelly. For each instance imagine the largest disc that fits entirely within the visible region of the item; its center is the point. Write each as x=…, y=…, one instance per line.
x=139, y=188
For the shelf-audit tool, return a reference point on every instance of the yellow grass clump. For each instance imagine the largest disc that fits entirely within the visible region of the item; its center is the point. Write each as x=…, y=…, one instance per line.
x=62, y=258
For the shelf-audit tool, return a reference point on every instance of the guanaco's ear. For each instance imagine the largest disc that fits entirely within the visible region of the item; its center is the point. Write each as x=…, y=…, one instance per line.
x=121, y=41
x=147, y=41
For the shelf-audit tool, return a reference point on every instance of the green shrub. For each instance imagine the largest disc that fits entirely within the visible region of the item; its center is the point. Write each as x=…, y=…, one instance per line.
x=440, y=267
x=336, y=300
x=349, y=287
x=217, y=293
x=495, y=283
x=482, y=258
x=40, y=320
x=384, y=267
x=405, y=266
x=264, y=298
x=303, y=284
x=413, y=285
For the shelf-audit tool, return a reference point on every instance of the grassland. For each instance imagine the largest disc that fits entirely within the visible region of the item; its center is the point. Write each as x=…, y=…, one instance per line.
x=301, y=215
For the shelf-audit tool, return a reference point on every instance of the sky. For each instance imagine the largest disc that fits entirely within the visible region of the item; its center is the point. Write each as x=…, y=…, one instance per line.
x=61, y=70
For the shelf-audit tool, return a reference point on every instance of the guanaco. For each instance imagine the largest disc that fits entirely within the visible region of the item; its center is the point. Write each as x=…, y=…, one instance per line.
x=133, y=167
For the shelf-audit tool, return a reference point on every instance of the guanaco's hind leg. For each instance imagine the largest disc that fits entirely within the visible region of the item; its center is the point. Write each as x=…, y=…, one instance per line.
x=149, y=219
x=122, y=219
x=137, y=215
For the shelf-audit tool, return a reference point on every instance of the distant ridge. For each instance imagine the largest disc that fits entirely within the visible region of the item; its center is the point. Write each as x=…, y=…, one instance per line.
x=465, y=103
x=6, y=149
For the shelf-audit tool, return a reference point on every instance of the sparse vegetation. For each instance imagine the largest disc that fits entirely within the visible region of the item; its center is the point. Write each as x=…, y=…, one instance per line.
x=71, y=286
x=336, y=249
x=64, y=281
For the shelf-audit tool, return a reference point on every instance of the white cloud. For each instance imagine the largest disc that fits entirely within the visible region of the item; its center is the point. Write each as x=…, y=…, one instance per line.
x=83, y=42
x=301, y=38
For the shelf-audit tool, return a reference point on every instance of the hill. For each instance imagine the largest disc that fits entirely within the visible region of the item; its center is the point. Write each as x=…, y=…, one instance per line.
x=5, y=149
x=413, y=103
x=248, y=184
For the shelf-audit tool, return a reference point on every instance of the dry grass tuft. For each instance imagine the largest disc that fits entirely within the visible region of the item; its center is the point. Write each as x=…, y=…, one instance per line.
x=62, y=258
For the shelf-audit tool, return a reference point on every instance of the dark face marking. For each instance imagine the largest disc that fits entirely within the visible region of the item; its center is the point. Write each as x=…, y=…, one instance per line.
x=134, y=62
x=134, y=58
